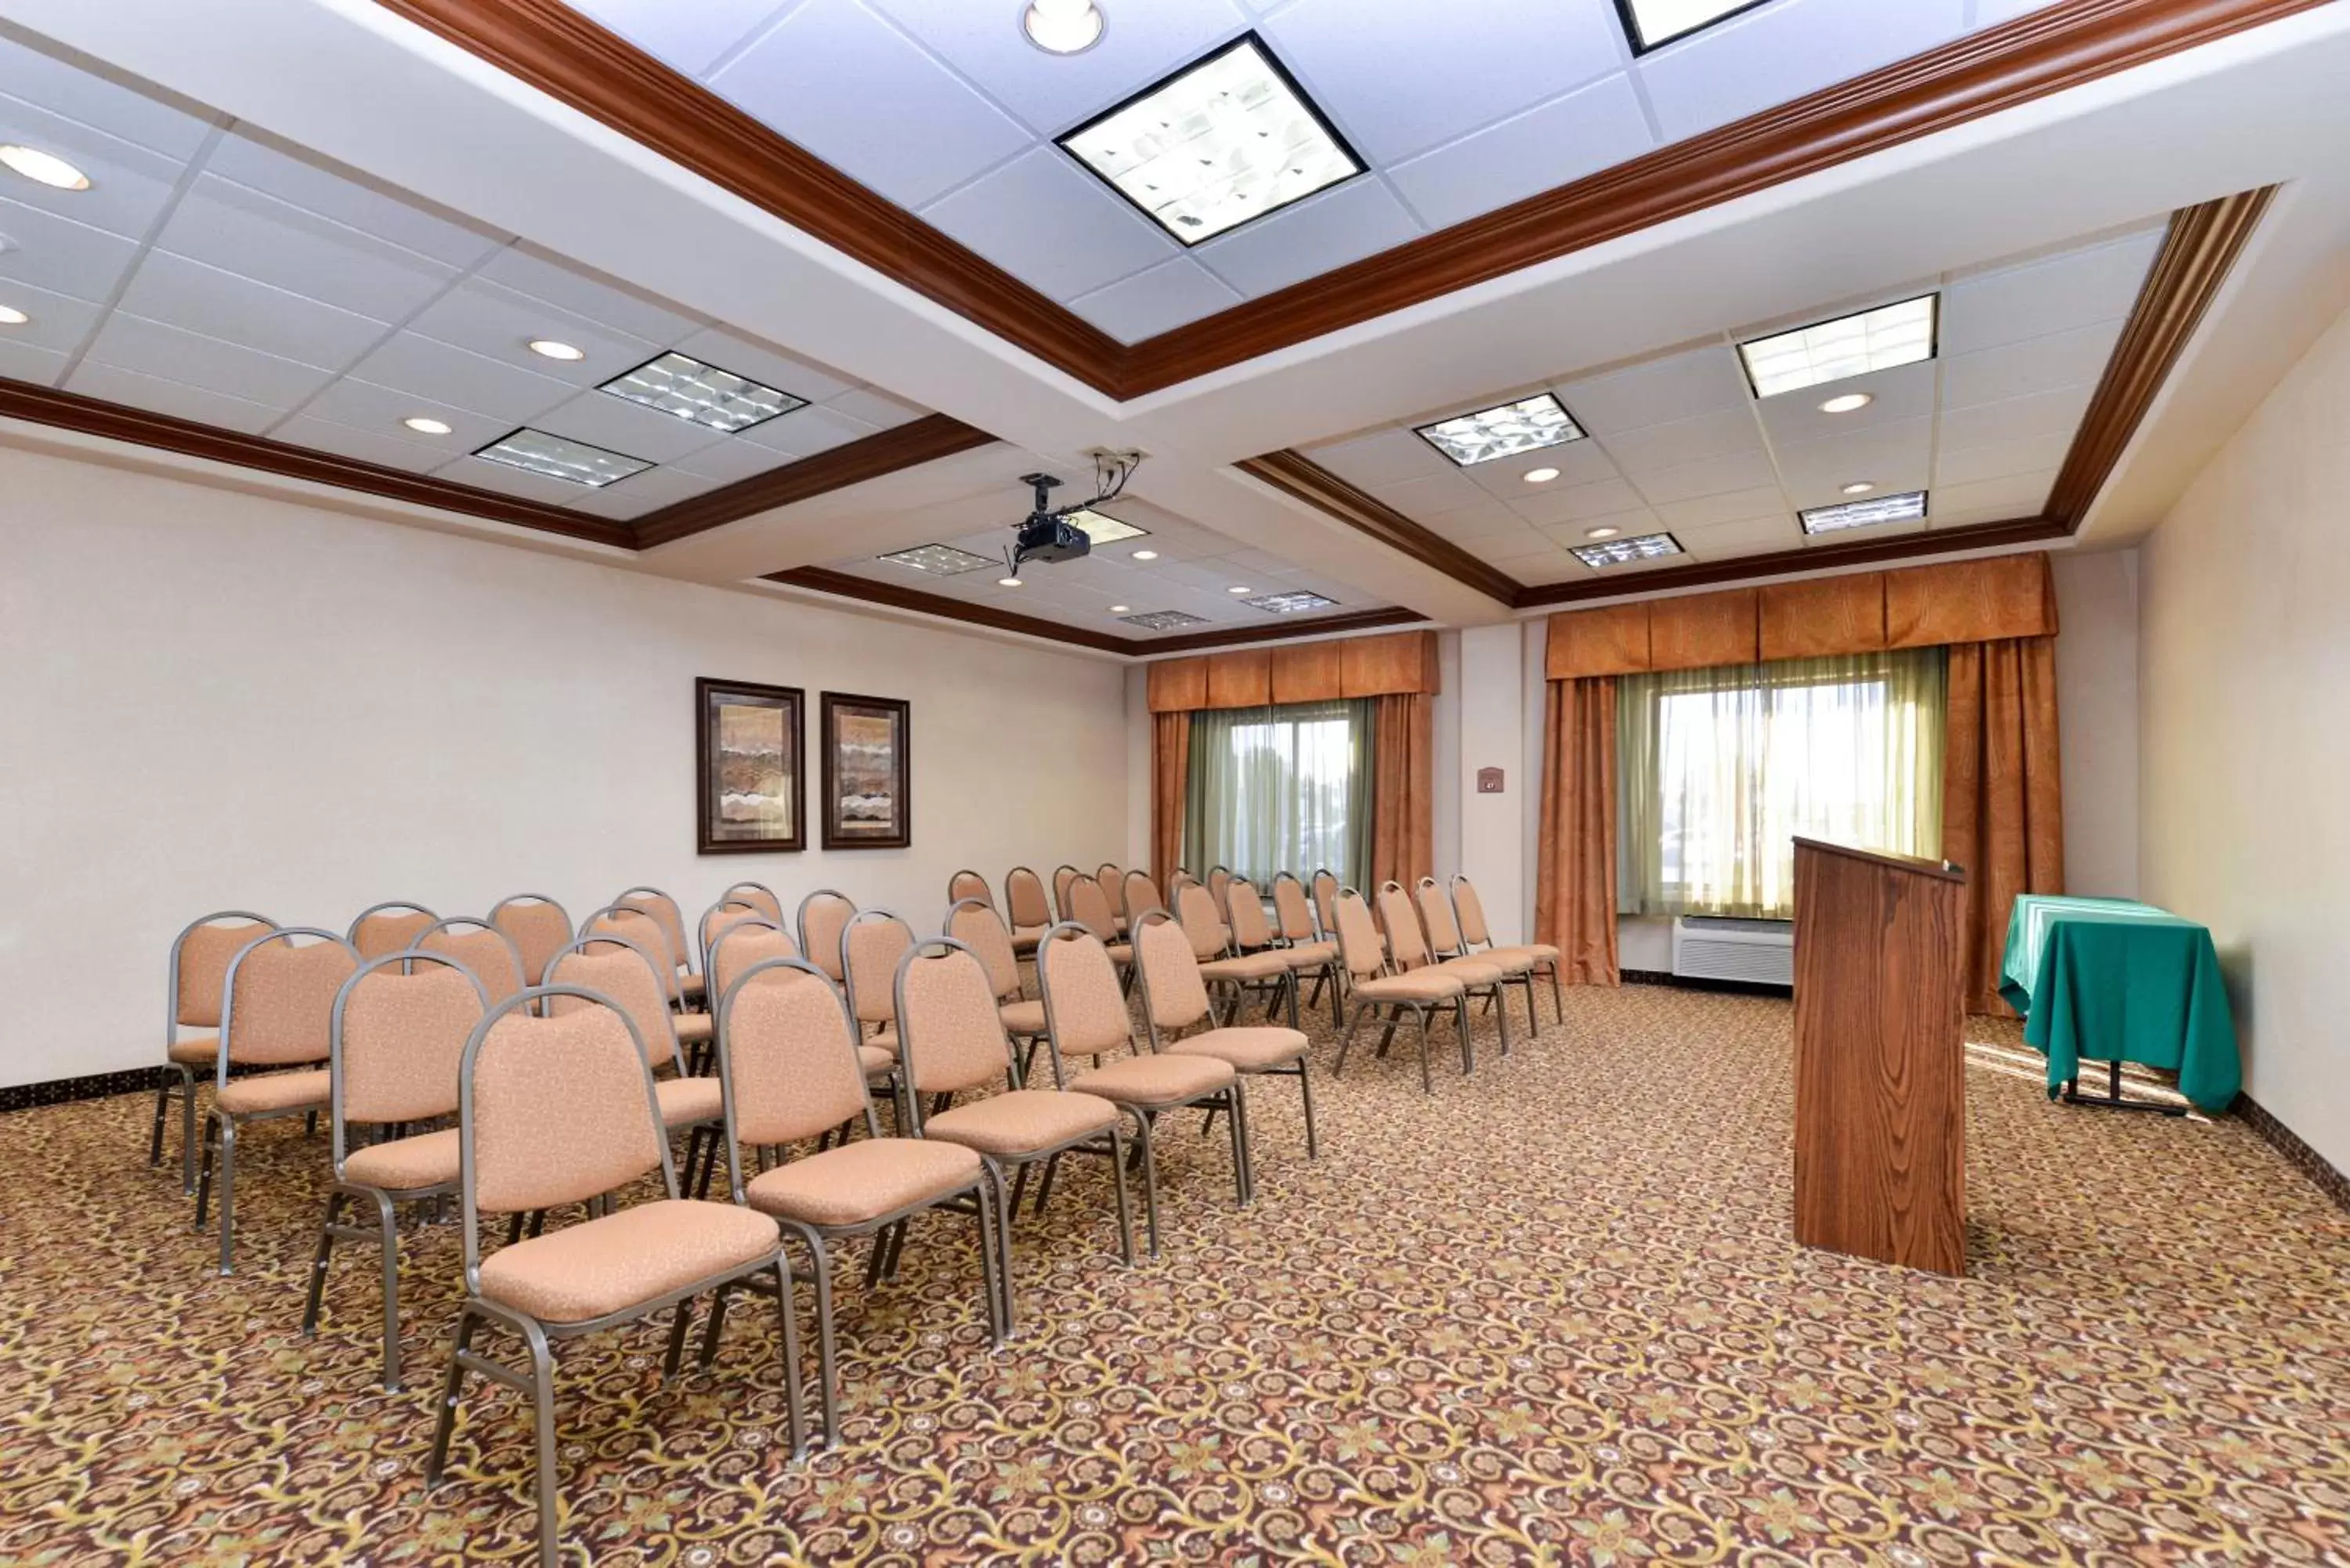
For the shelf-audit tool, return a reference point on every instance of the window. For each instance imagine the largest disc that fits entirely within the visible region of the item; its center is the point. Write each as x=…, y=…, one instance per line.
x=1281, y=789
x=1719, y=770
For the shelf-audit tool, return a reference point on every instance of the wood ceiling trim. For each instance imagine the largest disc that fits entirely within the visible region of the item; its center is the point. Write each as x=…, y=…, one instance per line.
x=921, y=440
x=1296, y=475
x=1193, y=642
x=562, y=54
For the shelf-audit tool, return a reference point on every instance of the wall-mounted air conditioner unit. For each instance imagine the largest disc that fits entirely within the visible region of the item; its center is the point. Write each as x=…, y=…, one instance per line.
x=1711, y=946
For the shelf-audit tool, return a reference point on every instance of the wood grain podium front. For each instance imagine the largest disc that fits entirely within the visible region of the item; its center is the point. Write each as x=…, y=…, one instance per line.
x=1880, y=1056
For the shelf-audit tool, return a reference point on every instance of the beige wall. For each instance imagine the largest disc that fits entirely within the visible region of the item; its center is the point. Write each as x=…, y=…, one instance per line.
x=2246, y=747
x=216, y=699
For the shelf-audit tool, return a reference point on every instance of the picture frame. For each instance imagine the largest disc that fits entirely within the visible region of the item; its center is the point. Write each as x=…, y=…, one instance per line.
x=750, y=767
x=867, y=744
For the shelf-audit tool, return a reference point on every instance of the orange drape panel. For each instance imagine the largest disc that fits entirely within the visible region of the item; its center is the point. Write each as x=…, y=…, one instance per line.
x=2002, y=808
x=1403, y=782
x=1170, y=768
x=1574, y=879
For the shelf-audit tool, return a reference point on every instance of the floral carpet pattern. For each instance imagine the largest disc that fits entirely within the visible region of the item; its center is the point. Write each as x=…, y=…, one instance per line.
x=1551, y=1314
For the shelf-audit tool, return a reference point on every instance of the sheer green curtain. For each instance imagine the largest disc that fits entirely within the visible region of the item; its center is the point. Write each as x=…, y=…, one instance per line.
x=1284, y=788
x=1719, y=770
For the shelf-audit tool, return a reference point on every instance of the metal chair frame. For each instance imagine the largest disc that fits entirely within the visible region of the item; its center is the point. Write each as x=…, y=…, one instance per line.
x=186, y=1086
x=528, y=978
x=816, y=951
x=1297, y=1068
x=1541, y=965
x=1428, y=887
x=700, y=1137
x=1359, y=1007
x=1490, y=989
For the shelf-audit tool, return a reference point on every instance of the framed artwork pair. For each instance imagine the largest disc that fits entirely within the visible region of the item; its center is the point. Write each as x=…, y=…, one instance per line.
x=751, y=773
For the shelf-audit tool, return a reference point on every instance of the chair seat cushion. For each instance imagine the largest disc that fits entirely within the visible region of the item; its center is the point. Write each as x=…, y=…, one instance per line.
x=692, y=985
x=1420, y=985
x=1121, y=952
x=1023, y=1017
x=1247, y=1050
x=1022, y=1121
x=1472, y=971
x=875, y=1059
x=863, y=1180
x=685, y=1101
x=1169, y=1080
x=1535, y=952
x=192, y=1049
x=635, y=1255
x=1249, y=966
x=887, y=1040
x=1024, y=938
x=264, y=1092
x=694, y=1028
x=406, y=1163
x=1310, y=955
x=1508, y=961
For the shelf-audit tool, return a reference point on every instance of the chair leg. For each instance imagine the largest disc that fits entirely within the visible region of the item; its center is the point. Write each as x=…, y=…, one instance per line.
x=1468, y=1044
x=1118, y=1183
x=1045, y=1184
x=1348, y=1044
x=162, y=1110
x=205, y=1174
x=387, y=1222
x=445, y=1422
x=318, y=1266
x=680, y=1319
x=542, y=1380
x=1149, y=1185
x=1243, y=1152
x=228, y=1194
x=187, y=1130
x=1004, y=1249
x=1306, y=1092
x=1502, y=1015
x=788, y=1325
x=1426, y=1084
x=983, y=1204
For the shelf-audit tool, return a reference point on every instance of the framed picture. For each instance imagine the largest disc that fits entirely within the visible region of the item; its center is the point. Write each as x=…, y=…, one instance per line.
x=750, y=777
x=869, y=796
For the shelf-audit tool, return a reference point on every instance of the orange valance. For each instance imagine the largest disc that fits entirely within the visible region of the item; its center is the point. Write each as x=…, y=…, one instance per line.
x=1913, y=606
x=1400, y=664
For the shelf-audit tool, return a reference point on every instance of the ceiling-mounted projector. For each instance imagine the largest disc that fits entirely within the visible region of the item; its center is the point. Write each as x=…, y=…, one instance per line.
x=1045, y=534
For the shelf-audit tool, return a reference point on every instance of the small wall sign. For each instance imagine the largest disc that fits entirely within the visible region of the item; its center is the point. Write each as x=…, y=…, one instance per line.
x=1489, y=781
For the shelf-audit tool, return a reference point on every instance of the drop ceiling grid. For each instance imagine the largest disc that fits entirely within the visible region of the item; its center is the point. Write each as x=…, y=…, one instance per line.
x=213, y=274
x=1537, y=94
x=1676, y=443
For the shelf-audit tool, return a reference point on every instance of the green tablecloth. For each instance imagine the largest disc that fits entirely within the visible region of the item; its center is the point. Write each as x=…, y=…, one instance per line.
x=2108, y=979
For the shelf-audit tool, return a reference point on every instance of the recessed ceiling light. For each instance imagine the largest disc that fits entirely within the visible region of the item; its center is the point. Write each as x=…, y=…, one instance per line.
x=12, y=316
x=1063, y=26
x=1601, y=533
x=548, y=348
x=1225, y=139
x=1119, y=609
x=1527, y=425
x=1859, y=487
x=1879, y=339
x=1904, y=508
x=558, y=457
x=1239, y=588
x=1541, y=475
x=940, y=560
x=1291, y=603
x=424, y=426
x=1145, y=556
x=1007, y=582
x=1652, y=23
x=1622, y=552
x=1164, y=620
x=677, y=384
x=43, y=168
x=1845, y=403
x=1101, y=528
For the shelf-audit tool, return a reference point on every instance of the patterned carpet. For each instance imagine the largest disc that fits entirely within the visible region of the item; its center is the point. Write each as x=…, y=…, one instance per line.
x=1551, y=1314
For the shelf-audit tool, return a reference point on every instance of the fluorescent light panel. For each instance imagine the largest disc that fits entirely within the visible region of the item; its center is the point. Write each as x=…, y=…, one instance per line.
x=1226, y=139
x=1527, y=425
x=1163, y=620
x=1622, y=552
x=677, y=384
x=1653, y=23
x=1904, y=508
x=1289, y=603
x=940, y=560
x=1854, y=345
x=1101, y=528
x=558, y=457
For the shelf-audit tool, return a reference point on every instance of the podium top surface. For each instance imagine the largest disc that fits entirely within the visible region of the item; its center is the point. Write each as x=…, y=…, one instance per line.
x=1911, y=863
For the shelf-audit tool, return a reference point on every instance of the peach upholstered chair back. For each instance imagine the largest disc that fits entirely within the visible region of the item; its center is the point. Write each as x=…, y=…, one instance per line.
x=1244, y=912
x=619, y=969
x=1470, y=910
x=970, y=885
x=1325, y=902
x=1024, y=899
x=661, y=907
x=538, y=928
x=485, y=951
x=400, y=1038
x=556, y=1110
x=759, y=896
x=787, y=1053
x=1174, y=995
x=980, y=928
x=743, y=944
x=1111, y=880
x=1406, y=945
x=279, y=997
x=200, y=961
x=1089, y=906
x=950, y=1035
x=870, y=949
x=1062, y=877
x=1142, y=893
x=1359, y=938
x=640, y=929
x=388, y=927
x=722, y=916
x=823, y=915
x=1195, y=907
x=1436, y=916
x=1289, y=905
x=1179, y=881
x=1219, y=879
x=1085, y=1011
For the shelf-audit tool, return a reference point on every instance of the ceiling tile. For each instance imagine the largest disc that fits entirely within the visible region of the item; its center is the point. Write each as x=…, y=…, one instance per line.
x=599, y=419
x=1895, y=457
x=1383, y=457
x=364, y=406
x=58, y=322
x=1752, y=535
x=641, y=493
x=848, y=87
x=764, y=363
x=188, y=294
x=1463, y=71
x=2036, y=365
x=1566, y=568
x=426, y=368
x=1580, y=502
x=1501, y=544
x=499, y=323
x=1167, y=297
x=1431, y=494
x=64, y=257
x=542, y=275
x=1999, y=460
x=261, y=162
x=1783, y=51
x=129, y=185
x=129, y=342
x=1874, y=531
x=689, y=37
x=1714, y=476
x=871, y=407
x=2012, y=495
x=1341, y=224
x=1728, y=433
x=730, y=462
x=1658, y=391
x=365, y=445
x=1578, y=461
x=2075, y=289
x=97, y=94
x=22, y=361
x=482, y=474
x=154, y=392
x=226, y=225
x=803, y=433
x=1736, y=506
x=1904, y=393
x=1468, y=521
x=1552, y=144
x=1047, y=221
x=2018, y=419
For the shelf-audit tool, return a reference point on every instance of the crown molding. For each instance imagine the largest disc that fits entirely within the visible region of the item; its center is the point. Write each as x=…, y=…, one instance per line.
x=909, y=445
x=1296, y=475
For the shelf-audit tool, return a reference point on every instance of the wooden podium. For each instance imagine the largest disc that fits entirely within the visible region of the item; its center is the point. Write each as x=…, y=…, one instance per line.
x=1880, y=1056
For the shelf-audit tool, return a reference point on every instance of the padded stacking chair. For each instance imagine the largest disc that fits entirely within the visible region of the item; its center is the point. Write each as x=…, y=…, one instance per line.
x=650, y=933
x=561, y=1110
x=399, y=1028
x=1408, y=950
x=822, y=916
x=538, y=928
x=1294, y=927
x=1266, y=975
x=870, y=946
x=759, y=896
x=1088, y=1017
x=793, y=1070
x=1175, y=997
x=1219, y=879
x=387, y=928
x=681, y=952
x=980, y=928
x=1477, y=942
x=1444, y=943
x=627, y=974
x=488, y=953
x=1024, y=908
x=1181, y=880
x=755, y=941
x=1093, y=911
x=970, y=885
x=1253, y=934
x=716, y=919
x=199, y=969
x=1062, y=875
x=1137, y=894
x=1372, y=991
x=1326, y=889
x=277, y=1009
x=951, y=1041
x=1111, y=880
